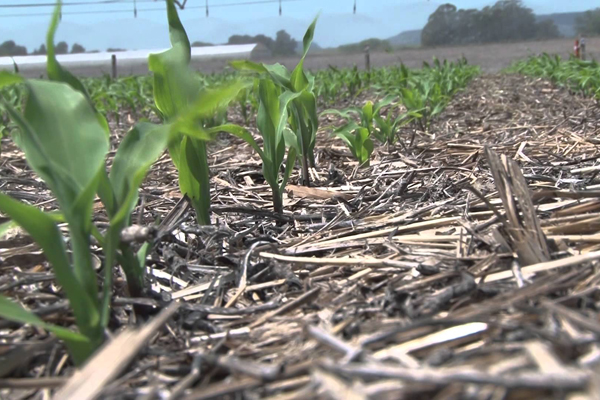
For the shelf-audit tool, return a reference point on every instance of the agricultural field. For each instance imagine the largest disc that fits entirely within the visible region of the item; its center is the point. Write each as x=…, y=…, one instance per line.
x=275, y=232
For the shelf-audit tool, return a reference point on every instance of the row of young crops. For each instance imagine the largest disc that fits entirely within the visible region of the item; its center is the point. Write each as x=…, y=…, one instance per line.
x=581, y=76
x=61, y=126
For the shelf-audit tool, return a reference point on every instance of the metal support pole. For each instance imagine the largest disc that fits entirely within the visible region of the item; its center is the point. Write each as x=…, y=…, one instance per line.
x=367, y=58
x=113, y=59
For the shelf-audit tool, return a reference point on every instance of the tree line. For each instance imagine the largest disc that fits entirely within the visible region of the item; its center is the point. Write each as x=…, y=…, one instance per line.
x=10, y=48
x=282, y=45
x=505, y=21
x=589, y=22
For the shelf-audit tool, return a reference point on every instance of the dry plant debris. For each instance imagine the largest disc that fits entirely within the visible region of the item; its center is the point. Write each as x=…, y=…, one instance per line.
x=464, y=267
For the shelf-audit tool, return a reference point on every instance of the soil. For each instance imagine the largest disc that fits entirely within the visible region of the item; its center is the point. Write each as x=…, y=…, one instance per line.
x=464, y=266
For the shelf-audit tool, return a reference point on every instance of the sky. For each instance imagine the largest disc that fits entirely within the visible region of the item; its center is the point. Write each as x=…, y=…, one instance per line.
x=114, y=25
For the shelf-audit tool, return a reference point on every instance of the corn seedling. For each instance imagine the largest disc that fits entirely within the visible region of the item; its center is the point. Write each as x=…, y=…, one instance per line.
x=358, y=136
x=65, y=141
x=178, y=92
x=304, y=122
x=272, y=123
x=386, y=128
x=359, y=142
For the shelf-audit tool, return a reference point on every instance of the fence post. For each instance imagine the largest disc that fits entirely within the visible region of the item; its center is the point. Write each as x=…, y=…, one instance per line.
x=367, y=58
x=113, y=59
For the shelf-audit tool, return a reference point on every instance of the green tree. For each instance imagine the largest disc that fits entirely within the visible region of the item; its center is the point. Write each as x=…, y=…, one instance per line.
x=41, y=50
x=62, y=48
x=547, y=30
x=201, y=44
x=284, y=44
x=589, y=22
x=247, y=39
x=10, y=48
x=506, y=20
x=77, y=48
x=440, y=27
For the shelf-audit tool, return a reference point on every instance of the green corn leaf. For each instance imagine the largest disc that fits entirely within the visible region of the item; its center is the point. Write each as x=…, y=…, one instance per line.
x=289, y=167
x=190, y=121
x=54, y=69
x=57, y=73
x=367, y=115
x=299, y=80
x=79, y=346
x=140, y=148
x=277, y=72
x=386, y=101
x=306, y=104
x=63, y=142
x=364, y=146
x=347, y=113
x=346, y=133
x=42, y=228
x=290, y=139
x=192, y=166
x=177, y=33
x=7, y=79
x=175, y=85
x=248, y=66
x=240, y=132
x=383, y=133
x=107, y=194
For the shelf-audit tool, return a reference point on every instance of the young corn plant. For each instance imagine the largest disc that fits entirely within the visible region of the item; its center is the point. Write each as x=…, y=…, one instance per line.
x=65, y=141
x=272, y=123
x=302, y=112
x=578, y=75
x=386, y=128
x=358, y=136
x=178, y=94
x=359, y=142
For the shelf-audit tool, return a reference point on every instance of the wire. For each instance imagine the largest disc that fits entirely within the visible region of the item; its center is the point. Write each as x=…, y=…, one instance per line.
x=74, y=3
x=114, y=11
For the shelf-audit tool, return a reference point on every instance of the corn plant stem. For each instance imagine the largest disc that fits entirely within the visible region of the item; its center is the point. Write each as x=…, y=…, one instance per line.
x=84, y=271
x=202, y=176
x=277, y=201
x=305, y=175
x=133, y=272
x=204, y=217
x=311, y=158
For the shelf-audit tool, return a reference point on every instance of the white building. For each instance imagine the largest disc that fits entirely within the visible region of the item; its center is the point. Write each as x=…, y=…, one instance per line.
x=131, y=62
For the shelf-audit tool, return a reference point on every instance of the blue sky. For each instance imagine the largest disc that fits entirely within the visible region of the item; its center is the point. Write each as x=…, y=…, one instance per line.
x=338, y=25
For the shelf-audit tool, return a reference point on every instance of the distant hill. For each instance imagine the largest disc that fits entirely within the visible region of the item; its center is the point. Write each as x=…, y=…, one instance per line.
x=406, y=38
x=410, y=38
x=564, y=21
